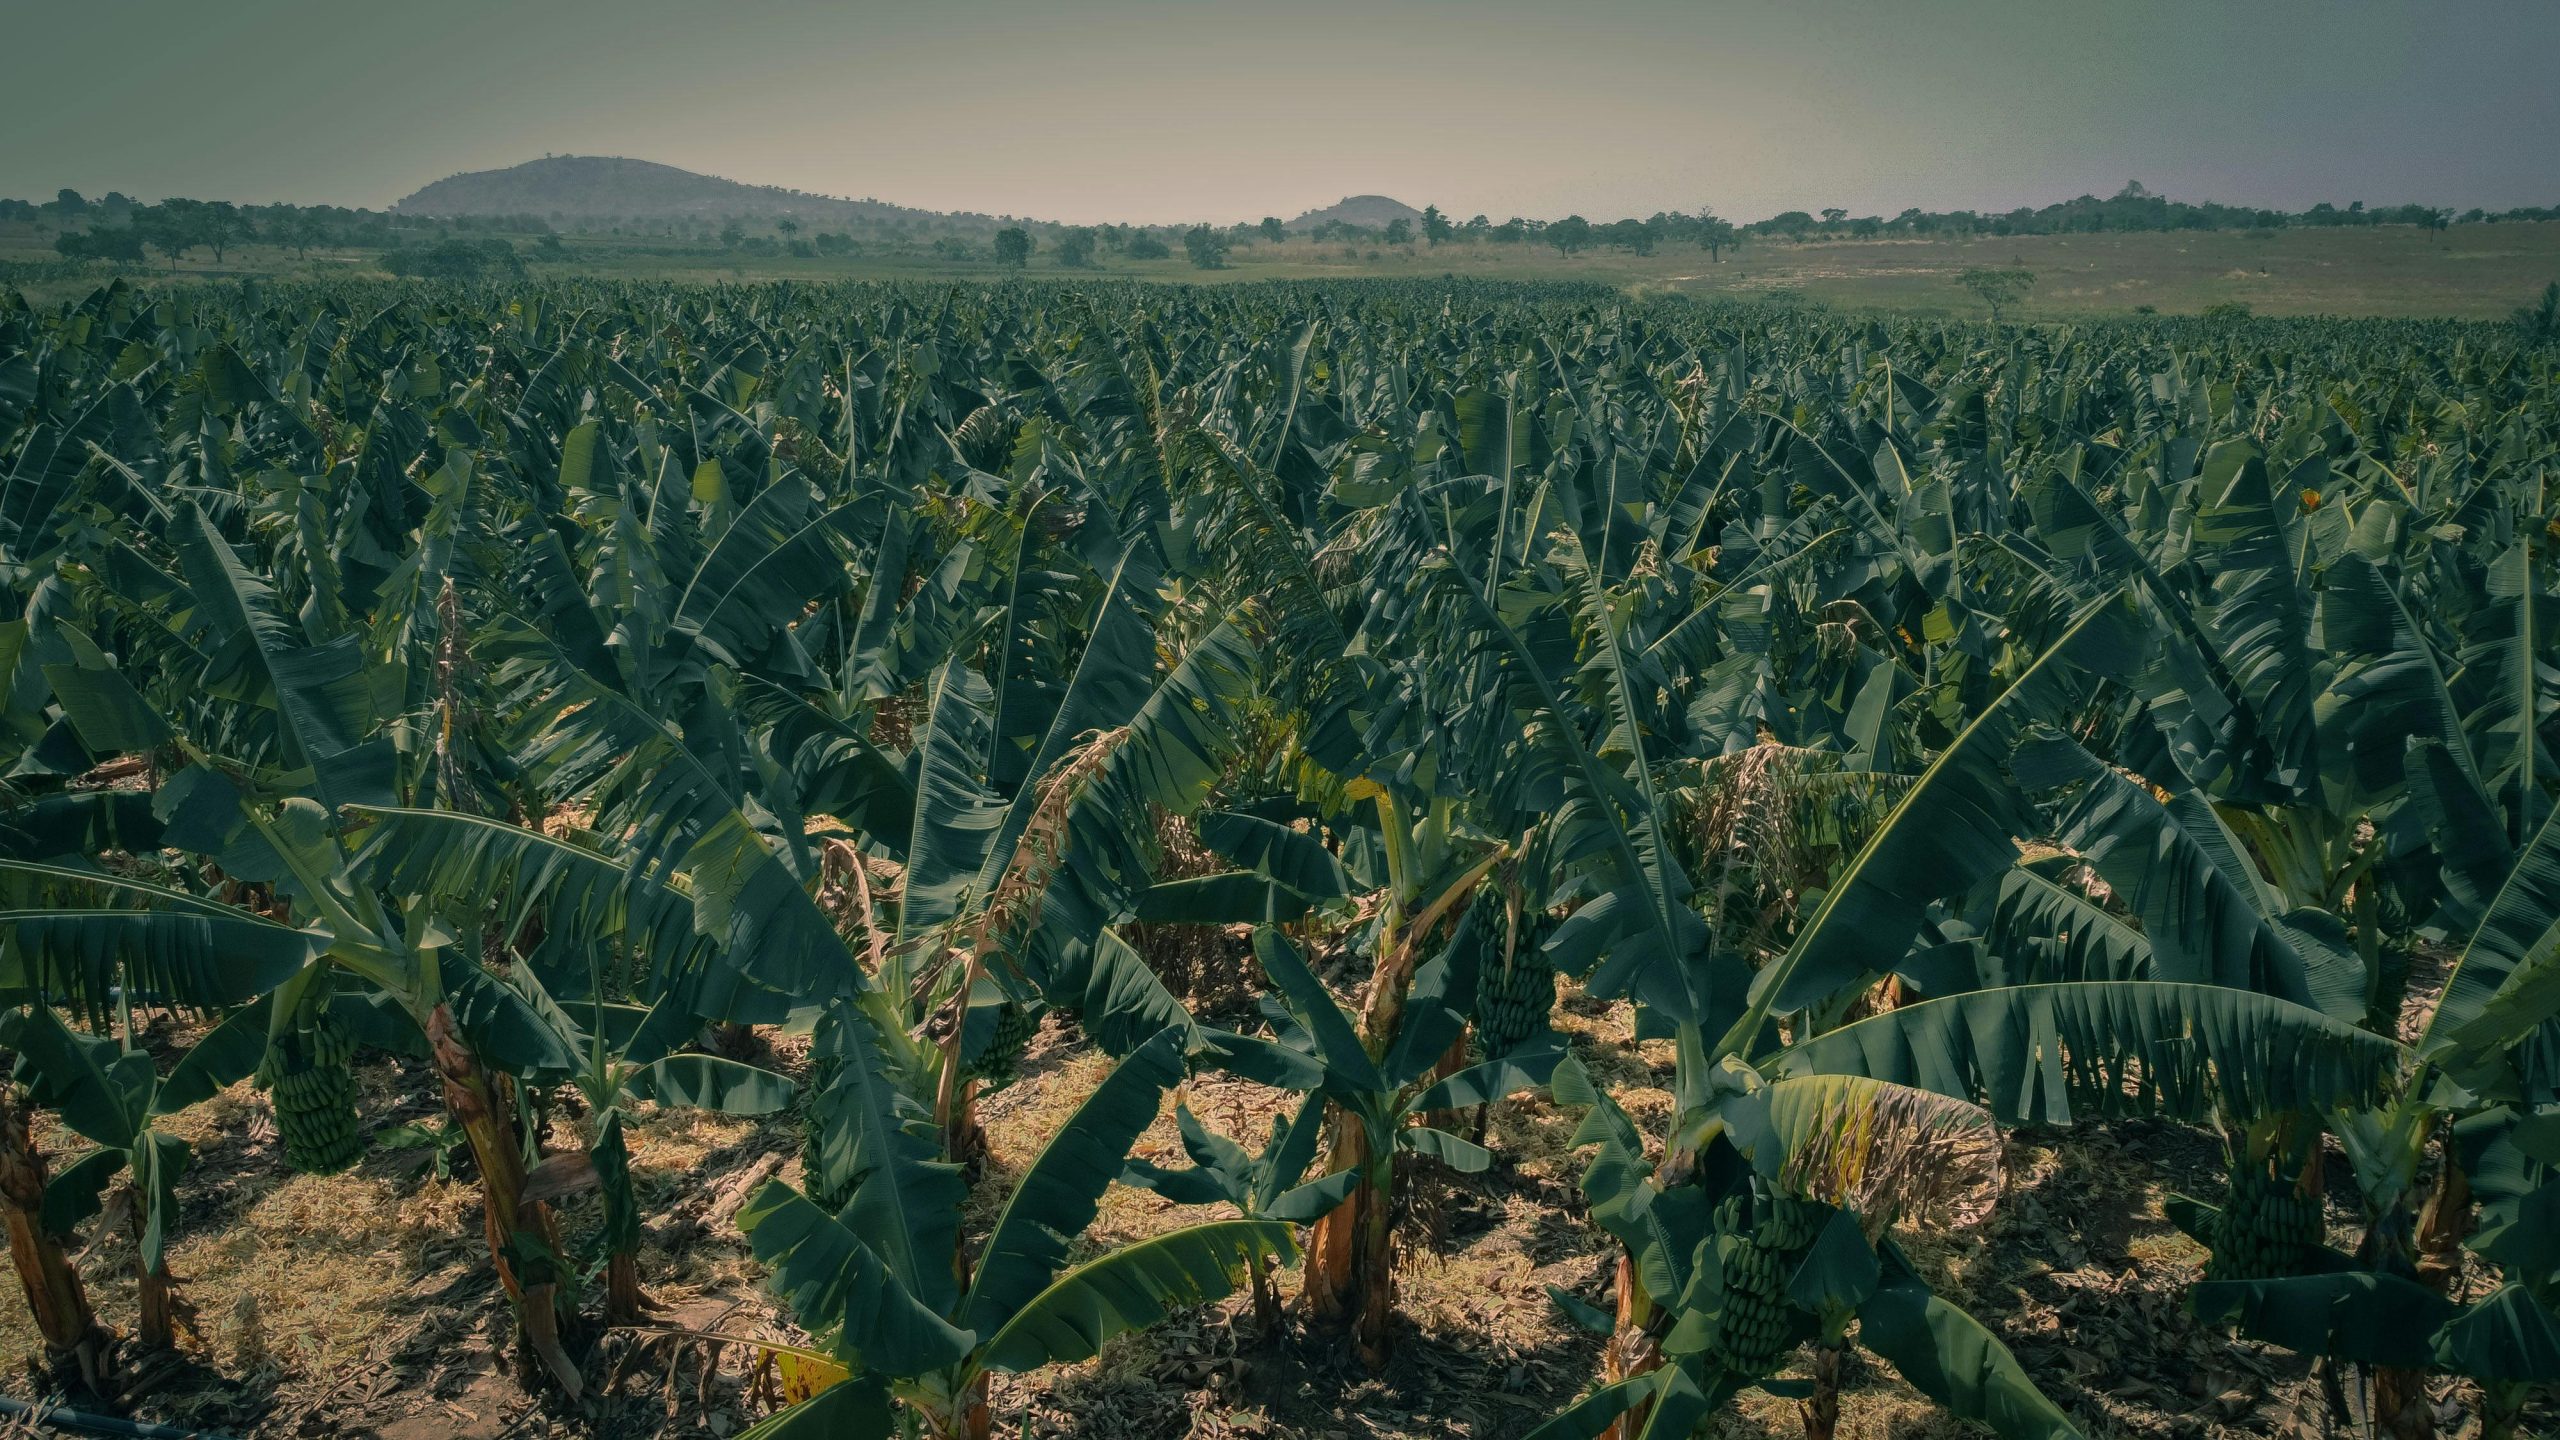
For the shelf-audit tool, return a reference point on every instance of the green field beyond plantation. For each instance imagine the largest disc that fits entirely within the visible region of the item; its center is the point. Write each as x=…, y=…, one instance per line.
x=1661, y=849
x=2471, y=271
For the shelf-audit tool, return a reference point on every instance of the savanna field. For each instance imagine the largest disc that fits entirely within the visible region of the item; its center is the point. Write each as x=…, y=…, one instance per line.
x=1336, y=859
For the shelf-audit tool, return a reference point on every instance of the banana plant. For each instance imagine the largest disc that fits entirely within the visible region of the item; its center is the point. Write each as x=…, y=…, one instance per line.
x=55, y=826
x=727, y=922
x=1389, y=1098
x=2380, y=1310
x=2476, y=1094
x=2297, y=652
x=628, y=1053
x=1766, y=1228
x=1271, y=1185
x=216, y=951
x=875, y=1284
x=1953, y=827
x=297, y=714
x=1011, y=816
x=75, y=1343
x=109, y=1093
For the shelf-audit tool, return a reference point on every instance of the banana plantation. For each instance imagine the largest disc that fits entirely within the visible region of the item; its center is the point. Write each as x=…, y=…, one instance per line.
x=512, y=716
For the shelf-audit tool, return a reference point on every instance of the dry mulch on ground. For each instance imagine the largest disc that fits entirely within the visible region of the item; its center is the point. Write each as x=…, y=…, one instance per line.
x=363, y=1305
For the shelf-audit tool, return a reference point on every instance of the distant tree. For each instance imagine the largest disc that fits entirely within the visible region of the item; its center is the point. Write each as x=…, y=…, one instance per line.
x=1205, y=249
x=830, y=242
x=1714, y=233
x=1435, y=226
x=1273, y=230
x=1633, y=235
x=1075, y=248
x=1399, y=231
x=1832, y=217
x=167, y=230
x=221, y=225
x=788, y=226
x=296, y=229
x=1144, y=246
x=732, y=236
x=456, y=260
x=121, y=244
x=1013, y=246
x=550, y=248
x=1998, y=288
x=1569, y=234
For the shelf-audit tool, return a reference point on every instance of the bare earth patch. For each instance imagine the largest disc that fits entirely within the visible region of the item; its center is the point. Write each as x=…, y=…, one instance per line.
x=363, y=1305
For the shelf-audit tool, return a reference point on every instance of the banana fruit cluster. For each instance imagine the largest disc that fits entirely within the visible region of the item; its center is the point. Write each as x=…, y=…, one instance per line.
x=823, y=1070
x=1757, y=1326
x=2268, y=1229
x=310, y=1077
x=995, y=1067
x=1514, y=1002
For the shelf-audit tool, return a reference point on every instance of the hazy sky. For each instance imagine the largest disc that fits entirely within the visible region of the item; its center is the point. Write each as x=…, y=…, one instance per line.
x=1149, y=110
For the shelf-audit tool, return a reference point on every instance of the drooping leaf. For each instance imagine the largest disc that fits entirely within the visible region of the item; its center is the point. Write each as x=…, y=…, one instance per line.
x=1953, y=828
x=713, y=1083
x=1955, y=1360
x=2363, y=1316
x=1057, y=1198
x=1132, y=1287
x=2034, y=1052
x=841, y=1290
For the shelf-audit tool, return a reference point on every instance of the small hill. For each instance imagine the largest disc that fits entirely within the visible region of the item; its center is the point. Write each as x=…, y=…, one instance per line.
x=1374, y=212
x=607, y=187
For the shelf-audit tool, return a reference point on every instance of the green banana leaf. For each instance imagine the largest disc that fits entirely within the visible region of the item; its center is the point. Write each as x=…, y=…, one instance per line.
x=1057, y=1198
x=2111, y=1047
x=1954, y=1359
x=1131, y=1288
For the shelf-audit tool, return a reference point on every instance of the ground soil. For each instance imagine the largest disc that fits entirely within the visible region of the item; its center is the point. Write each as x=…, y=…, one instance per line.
x=363, y=1304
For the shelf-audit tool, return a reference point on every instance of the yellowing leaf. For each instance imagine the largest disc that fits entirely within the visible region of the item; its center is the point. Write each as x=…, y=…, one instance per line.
x=805, y=1375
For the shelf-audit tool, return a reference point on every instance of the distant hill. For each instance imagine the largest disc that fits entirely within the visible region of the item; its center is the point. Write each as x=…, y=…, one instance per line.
x=606, y=187
x=1374, y=212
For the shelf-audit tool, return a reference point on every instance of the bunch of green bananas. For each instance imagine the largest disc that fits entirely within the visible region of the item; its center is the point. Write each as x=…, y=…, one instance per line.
x=994, y=1068
x=2268, y=1229
x=310, y=1077
x=1758, y=1324
x=1514, y=1001
x=822, y=1075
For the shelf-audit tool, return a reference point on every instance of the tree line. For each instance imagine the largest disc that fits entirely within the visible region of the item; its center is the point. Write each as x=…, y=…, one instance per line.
x=121, y=230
